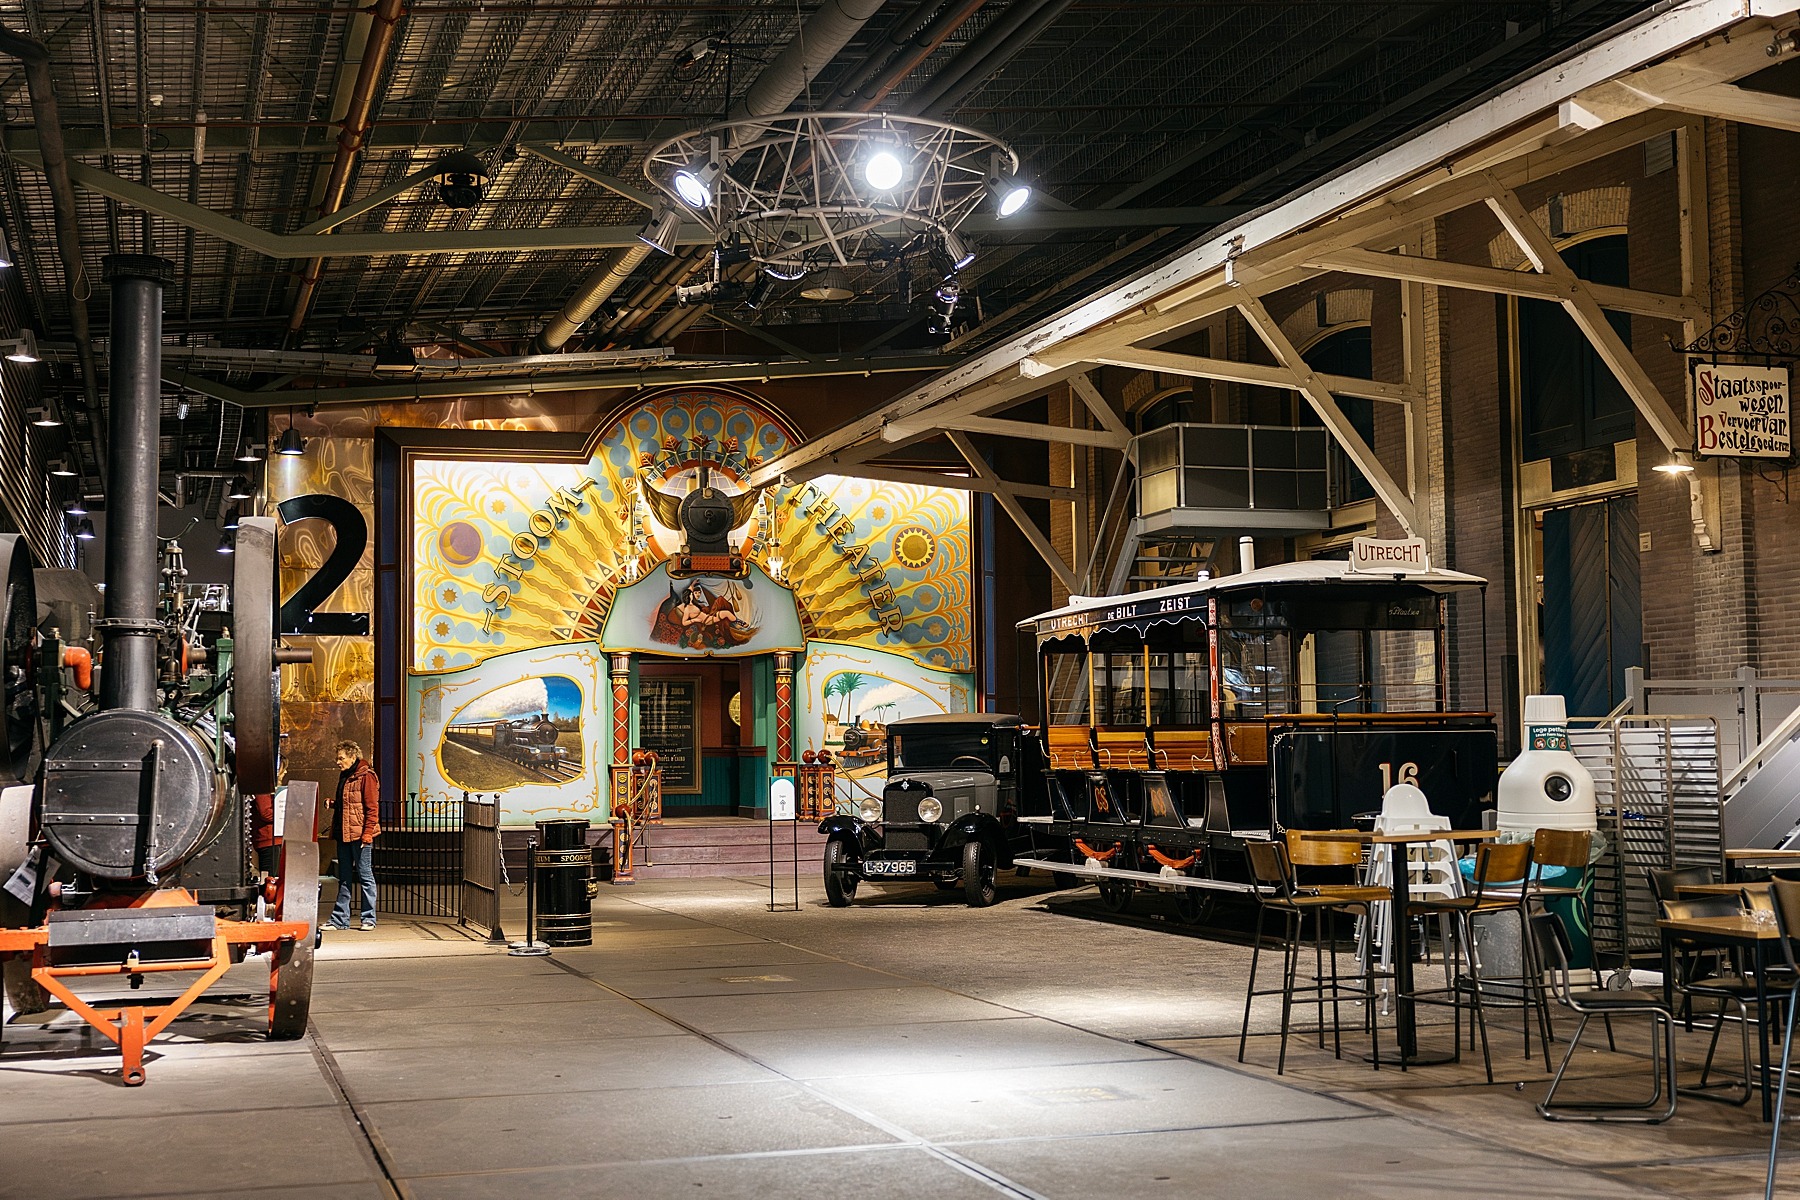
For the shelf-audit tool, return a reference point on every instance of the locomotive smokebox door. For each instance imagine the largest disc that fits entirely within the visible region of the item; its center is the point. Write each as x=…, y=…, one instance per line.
x=129, y=794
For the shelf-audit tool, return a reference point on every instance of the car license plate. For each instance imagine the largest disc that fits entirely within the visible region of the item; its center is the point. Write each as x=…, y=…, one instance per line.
x=890, y=866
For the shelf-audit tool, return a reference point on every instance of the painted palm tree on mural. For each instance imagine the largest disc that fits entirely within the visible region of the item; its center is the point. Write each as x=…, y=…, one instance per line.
x=844, y=684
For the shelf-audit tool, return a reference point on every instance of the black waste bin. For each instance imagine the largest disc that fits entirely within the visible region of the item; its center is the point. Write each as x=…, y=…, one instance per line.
x=564, y=865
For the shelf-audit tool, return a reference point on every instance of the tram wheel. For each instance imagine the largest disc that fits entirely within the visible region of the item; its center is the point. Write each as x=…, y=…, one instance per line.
x=1115, y=896
x=840, y=885
x=979, y=886
x=1194, y=906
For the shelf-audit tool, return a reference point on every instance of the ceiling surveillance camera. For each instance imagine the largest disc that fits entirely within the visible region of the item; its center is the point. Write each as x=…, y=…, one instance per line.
x=460, y=178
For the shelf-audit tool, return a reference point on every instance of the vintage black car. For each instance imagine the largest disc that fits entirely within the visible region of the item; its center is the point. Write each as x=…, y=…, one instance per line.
x=949, y=812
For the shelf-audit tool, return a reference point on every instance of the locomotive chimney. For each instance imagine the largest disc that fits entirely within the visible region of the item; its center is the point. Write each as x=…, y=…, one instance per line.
x=134, y=426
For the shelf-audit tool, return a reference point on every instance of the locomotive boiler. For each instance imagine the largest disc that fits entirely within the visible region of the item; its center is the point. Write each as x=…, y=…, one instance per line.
x=126, y=832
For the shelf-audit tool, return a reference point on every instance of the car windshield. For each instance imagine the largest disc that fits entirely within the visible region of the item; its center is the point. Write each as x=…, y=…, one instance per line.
x=941, y=747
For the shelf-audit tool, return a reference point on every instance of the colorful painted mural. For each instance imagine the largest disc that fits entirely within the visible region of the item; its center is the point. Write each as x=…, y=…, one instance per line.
x=853, y=694
x=515, y=555
x=524, y=725
x=523, y=573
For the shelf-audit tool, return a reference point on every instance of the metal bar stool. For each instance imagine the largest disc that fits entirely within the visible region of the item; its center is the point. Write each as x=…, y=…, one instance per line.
x=1276, y=890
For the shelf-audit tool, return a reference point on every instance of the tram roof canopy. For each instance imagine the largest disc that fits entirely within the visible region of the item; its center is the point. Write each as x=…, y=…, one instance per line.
x=1180, y=598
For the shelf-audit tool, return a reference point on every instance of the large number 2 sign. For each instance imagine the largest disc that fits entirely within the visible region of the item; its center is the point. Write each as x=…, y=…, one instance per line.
x=346, y=520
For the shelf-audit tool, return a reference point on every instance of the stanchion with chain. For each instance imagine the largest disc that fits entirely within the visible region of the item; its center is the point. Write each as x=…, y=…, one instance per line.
x=530, y=947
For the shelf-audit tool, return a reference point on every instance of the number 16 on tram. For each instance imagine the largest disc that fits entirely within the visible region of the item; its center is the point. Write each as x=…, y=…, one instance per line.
x=1182, y=721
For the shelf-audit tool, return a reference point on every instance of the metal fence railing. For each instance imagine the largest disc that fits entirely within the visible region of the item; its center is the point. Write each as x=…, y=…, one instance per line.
x=1656, y=781
x=482, y=871
x=419, y=861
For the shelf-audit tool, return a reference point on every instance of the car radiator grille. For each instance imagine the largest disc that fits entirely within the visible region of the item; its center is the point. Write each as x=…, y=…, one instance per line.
x=901, y=805
x=906, y=839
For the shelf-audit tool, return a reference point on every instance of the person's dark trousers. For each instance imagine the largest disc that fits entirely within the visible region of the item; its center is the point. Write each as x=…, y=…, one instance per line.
x=268, y=860
x=355, y=868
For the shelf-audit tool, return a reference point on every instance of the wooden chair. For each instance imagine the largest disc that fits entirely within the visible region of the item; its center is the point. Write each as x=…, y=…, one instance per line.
x=1277, y=890
x=1551, y=942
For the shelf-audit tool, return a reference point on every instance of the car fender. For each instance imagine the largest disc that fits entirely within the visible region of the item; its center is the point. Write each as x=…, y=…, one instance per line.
x=979, y=827
x=850, y=829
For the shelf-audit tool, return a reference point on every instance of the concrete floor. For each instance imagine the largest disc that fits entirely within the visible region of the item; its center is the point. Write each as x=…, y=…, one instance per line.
x=907, y=1046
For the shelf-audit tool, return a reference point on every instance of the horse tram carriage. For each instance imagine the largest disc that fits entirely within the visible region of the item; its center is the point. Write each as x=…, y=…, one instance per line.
x=1182, y=721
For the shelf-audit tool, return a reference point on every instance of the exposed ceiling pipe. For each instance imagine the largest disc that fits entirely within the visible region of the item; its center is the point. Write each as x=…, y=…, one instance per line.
x=386, y=17
x=818, y=41
x=47, y=115
x=914, y=41
x=1017, y=28
x=825, y=33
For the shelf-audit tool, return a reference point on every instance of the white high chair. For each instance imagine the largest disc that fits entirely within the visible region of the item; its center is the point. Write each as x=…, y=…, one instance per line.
x=1430, y=866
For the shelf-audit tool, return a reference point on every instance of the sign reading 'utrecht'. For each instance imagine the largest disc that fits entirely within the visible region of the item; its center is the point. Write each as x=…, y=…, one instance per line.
x=1385, y=557
x=1741, y=411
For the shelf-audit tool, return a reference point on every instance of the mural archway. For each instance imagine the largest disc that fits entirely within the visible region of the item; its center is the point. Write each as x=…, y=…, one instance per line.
x=647, y=559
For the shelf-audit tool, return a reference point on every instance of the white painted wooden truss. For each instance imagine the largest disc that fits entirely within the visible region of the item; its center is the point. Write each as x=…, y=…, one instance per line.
x=1652, y=78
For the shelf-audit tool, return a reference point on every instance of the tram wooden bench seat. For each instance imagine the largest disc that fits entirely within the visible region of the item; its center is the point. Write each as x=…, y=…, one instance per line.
x=1067, y=747
x=1122, y=749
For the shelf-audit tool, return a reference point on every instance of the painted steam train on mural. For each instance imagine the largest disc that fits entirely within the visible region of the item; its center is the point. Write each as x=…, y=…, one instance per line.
x=1181, y=722
x=127, y=825
x=530, y=742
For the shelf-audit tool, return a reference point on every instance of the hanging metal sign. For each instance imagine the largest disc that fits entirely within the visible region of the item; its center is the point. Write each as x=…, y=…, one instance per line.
x=1742, y=411
x=1374, y=555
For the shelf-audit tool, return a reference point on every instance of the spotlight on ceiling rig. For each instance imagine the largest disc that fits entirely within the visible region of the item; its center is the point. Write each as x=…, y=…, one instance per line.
x=460, y=178
x=883, y=168
x=694, y=184
x=394, y=357
x=1010, y=190
x=21, y=347
x=660, y=232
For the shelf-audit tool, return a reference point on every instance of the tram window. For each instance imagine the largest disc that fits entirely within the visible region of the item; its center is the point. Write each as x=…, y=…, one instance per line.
x=1332, y=678
x=1403, y=664
x=1119, y=691
x=1253, y=673
x=1066, y=685
x=1178, y=688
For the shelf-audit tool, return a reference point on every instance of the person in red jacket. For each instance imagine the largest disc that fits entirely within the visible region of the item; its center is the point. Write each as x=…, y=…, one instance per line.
x=355, y=823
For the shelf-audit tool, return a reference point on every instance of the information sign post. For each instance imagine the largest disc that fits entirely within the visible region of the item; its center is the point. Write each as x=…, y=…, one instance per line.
x=781, y=811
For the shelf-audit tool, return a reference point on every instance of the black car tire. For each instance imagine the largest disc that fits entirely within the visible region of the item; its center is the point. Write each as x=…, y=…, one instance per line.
x=979, y=887
x=840, y=884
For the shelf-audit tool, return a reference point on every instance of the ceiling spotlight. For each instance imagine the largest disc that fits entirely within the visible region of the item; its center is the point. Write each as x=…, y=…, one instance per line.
x=758, y=293
x=22, y=347
x=1010, y=191
x=660, y=233
x=959, y=252
x=786, y=272
x=225, y=546
x=696, y=293
x=239, y=489
x=77, y=507
x=231, y=519
x=291, y=445
x=1678, y=464
x=6, y=254
x=882, y=169
x=60, y=468
x=395, y=357
x=830, y=284
x=695, y=184
x=84, y=529
x=249, y=454
x=43, y=418
x=460, y=177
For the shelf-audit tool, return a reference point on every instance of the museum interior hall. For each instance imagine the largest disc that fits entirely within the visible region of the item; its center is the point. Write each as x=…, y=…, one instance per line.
x=877, y=598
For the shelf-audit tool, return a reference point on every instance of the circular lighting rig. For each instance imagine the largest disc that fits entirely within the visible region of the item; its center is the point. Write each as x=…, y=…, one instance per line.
x=806, y=191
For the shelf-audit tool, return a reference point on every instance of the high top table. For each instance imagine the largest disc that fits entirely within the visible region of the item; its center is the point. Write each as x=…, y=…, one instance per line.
x=1405, y=1022
x=1740, y=932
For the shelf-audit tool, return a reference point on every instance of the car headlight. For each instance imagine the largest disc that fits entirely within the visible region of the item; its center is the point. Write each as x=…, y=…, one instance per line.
x=930, y=809
x=869, y=810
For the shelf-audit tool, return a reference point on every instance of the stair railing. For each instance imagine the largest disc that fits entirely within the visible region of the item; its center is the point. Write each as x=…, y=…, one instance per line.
x=1778, y=737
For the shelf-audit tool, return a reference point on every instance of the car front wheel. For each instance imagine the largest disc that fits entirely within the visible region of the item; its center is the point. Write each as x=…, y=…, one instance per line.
x=979, y=888
x=840, y=885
